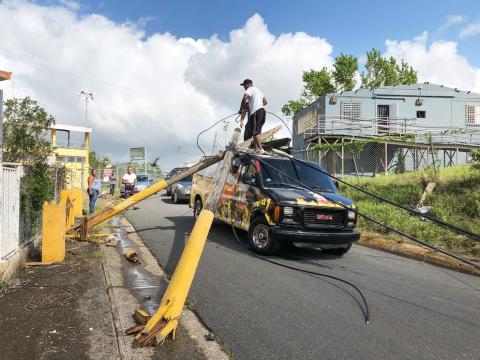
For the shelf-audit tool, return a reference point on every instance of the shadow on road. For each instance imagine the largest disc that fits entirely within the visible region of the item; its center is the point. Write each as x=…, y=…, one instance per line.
x=222, y=234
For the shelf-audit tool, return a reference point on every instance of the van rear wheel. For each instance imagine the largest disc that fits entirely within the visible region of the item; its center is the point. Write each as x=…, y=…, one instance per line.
x=260, y=237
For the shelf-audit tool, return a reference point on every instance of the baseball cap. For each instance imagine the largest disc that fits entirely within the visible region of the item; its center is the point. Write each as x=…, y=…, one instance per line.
x=246, y=82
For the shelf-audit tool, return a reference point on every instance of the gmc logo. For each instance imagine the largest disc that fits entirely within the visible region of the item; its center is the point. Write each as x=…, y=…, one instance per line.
x=323, y=217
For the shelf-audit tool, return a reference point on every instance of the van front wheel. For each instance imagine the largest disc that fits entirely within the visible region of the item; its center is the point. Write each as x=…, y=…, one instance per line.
x=260, y=237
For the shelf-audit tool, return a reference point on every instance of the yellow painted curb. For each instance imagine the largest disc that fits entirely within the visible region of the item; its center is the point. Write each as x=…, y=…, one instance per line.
x=416, y=252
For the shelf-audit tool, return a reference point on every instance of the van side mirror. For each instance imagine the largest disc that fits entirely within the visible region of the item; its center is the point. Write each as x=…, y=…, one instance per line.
x=247, y=178
x=337, y=184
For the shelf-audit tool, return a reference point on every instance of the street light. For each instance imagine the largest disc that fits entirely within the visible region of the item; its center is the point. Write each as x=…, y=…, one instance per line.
x=88, y=96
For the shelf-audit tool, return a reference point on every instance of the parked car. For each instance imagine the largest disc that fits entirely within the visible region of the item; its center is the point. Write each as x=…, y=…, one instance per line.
x=143, y=182
x=277, y=211
x=181, y=190
x=172, y=172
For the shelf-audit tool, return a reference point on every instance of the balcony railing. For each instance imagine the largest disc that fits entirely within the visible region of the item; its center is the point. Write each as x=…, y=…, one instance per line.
x=379, y=127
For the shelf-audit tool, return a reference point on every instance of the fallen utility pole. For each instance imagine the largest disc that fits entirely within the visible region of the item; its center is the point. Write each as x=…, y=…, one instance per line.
x=94, y=220
x=113, y=210
x=166, y=318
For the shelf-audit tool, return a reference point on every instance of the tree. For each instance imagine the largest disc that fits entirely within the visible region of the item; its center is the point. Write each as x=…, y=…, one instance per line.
x=320, y=82
x=24, y=130
x=155, y=162
x=381, y=71
x=294, y=106
x=96, y=162
x=344, y=71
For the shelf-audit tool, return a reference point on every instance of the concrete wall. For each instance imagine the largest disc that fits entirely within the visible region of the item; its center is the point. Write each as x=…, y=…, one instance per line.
x=1, y=127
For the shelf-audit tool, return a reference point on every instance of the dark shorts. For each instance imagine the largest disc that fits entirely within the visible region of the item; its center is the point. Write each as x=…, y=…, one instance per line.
x=254, y=124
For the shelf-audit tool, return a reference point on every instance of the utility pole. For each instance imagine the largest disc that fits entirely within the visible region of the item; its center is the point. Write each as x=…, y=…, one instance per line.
x=214, y=142
x=87, y=96
x=179, y=148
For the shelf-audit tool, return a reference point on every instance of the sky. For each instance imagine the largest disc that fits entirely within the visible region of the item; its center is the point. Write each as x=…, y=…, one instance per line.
x=162, y=71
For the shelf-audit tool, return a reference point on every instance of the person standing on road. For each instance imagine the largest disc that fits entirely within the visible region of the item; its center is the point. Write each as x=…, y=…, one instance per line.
x=256, y=101
x=129, y=179
x=94, y=186
x=113, y=183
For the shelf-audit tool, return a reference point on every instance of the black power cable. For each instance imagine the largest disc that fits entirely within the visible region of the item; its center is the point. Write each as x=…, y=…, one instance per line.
x=367, y=309
x=466, y=261
x=412, y=211
x=213, y=125
x=284, y=123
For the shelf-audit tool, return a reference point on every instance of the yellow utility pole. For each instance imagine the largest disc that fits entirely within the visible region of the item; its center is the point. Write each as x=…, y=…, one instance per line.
x=166, y=318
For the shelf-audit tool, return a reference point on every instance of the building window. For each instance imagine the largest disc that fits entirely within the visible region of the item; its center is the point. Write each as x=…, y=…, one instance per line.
x=472, y=115
x=349, y=110
x=421, y=114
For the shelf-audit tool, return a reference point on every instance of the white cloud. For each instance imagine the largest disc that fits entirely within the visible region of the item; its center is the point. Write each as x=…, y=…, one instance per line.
x=451, y=21
x=471, y=29
x=73, y=5
x=438, y=62
x=157, y=91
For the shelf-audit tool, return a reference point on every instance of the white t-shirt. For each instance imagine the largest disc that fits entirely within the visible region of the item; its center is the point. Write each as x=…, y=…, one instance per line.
x=255, y=101
x=130, y=178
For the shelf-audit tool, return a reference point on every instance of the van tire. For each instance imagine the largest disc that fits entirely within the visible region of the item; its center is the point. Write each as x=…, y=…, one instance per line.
x=260, y=237
x=197, y=208
x=338, y=251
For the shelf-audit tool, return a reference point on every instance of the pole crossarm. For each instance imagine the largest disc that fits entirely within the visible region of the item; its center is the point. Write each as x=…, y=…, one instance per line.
x=165, y=320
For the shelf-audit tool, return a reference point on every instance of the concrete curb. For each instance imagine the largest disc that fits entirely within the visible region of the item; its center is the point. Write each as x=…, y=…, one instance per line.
x=10, y=266
x=124, y=303
x=416, y=252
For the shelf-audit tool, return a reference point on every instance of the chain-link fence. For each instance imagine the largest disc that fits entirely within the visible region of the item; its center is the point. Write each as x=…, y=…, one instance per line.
x=114, y=174
x=431, y=178
x=369, y=159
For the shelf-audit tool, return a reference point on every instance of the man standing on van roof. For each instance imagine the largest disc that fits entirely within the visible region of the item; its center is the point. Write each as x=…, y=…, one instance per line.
x=256, y=113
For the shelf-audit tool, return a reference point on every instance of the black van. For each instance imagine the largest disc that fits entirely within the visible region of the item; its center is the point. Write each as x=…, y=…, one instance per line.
x=274, y=209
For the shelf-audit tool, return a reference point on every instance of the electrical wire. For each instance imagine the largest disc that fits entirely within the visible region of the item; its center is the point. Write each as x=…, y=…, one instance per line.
x=459, y=258
x=284, y=123
x=211, y=126
x=367, y=309
x=454, y=228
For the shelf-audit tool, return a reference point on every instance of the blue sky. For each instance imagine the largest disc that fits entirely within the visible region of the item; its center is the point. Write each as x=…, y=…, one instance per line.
x=159, y=91
x=351, y=26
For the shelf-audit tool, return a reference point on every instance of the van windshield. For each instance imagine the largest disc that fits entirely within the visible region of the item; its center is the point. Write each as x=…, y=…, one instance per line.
x=296, y=170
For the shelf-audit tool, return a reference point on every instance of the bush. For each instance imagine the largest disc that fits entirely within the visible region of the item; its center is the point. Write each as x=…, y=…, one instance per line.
x=455, y=200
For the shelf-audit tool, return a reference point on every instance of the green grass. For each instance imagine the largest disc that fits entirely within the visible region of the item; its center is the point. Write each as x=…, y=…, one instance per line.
x=455, y=200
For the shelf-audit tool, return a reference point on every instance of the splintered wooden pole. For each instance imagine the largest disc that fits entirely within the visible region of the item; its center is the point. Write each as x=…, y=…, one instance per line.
x=165, y=320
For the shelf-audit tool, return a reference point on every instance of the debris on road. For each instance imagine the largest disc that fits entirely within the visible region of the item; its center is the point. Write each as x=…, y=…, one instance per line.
x=132, y=256
x=112, y=241
x=141, y=316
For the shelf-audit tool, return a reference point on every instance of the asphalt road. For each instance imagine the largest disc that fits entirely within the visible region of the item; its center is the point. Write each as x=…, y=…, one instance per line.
x=263, y=311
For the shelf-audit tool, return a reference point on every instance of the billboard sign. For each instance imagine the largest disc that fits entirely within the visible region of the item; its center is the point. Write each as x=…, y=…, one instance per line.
x=137, y=153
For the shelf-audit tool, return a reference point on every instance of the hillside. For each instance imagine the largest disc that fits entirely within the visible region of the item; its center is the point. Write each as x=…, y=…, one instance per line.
x=455, y=200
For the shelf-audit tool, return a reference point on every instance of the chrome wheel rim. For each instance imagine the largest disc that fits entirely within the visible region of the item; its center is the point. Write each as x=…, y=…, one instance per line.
x=261, y=236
